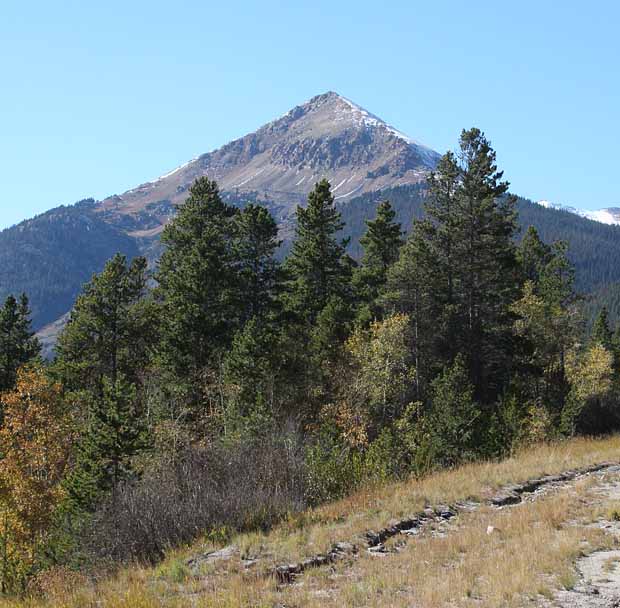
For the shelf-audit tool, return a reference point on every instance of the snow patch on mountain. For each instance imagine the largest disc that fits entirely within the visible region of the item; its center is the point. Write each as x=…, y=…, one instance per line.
x=368, y=119
x=348, y=193
x=179, y=168
x=609, y=216
x=605, y=216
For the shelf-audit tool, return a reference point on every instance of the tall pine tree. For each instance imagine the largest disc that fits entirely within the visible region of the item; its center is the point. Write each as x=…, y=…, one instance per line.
x=259, y=271
x=113, y=436
x=111, y=330
x=103, y=355
x=533, y=255
x=198, y=283
x=318, y=266
x=18, y=344
x=440, y=229
x=381, y=244
x=437, y=237
x=486, y=263
x=466, y=268
x=410, y=290
x=601, y=332
x=254, y=364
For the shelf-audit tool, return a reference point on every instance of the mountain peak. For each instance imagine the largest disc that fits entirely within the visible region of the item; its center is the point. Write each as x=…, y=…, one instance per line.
x=342, y=108
x=328, y=136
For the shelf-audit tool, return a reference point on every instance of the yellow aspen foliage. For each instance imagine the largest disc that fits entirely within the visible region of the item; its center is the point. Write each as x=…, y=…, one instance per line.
x=548, y=328
x=383, y=358
x=379, y=379
x=35, y=444
x=591, y=373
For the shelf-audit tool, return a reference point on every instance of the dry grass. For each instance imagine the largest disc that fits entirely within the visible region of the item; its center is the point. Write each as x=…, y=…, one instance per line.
x=611, y=564
x=533, y=552
x=314, y=531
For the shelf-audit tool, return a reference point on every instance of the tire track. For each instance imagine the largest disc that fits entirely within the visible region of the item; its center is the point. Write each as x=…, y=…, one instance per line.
x=374, y=541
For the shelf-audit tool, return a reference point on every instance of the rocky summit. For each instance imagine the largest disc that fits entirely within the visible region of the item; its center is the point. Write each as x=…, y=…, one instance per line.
x=327, y=137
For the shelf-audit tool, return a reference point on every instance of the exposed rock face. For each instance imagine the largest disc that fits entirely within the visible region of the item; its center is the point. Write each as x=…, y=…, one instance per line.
x=327, y=137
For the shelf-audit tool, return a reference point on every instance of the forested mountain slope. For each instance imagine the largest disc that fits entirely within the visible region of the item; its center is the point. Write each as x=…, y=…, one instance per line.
x=606, y=295
x=594, y=248
x=52, y=255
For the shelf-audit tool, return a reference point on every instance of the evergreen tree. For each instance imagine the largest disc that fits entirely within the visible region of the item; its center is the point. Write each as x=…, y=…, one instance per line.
x=408, y=292
x=533, y=255
x=441, y=228
x=466, y=268
x=103, y=354
x=486, y=263
x=382, y=241
x=556, y=287
x=381, y=244
x=453, y=415
x=18, y=344
x=557, y=278
x=252, y=367
x=198, y=283
x=601, y=332
x=318, y=265
x=114, y=435
x=262, y=374
x=435, y=241
x=111, y=330
x=259, y=272
x=330, y=330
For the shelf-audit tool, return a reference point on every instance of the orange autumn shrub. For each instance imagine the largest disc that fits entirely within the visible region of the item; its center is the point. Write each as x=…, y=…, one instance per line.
x=35, y=444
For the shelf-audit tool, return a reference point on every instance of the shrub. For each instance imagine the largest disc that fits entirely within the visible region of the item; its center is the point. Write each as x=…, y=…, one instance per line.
x=333, y=467
x=239, y=486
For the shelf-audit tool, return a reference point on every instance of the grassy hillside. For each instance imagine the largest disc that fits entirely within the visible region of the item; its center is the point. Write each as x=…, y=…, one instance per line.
x=530, y=552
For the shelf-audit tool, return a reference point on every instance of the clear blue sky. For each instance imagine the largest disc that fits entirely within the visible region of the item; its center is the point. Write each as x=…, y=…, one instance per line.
x=97, y=97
